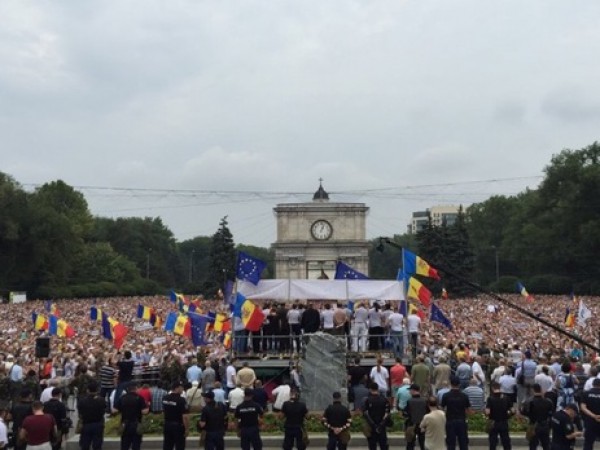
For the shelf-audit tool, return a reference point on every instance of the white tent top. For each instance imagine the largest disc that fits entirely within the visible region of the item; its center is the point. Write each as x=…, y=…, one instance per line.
x=291, y=290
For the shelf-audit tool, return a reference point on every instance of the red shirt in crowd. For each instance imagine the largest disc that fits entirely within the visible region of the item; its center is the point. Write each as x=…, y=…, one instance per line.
x=39, y=428
x=397, y=374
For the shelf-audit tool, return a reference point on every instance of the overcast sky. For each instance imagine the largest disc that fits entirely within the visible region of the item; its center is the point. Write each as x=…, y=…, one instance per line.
x=398, y=104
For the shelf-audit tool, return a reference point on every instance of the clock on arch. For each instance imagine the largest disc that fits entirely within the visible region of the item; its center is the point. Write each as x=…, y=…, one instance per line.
x=321, y=230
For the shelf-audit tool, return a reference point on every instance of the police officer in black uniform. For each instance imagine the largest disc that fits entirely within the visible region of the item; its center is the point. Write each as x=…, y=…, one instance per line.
x=91, y=410
x=539, y=410
x=590, y=410
x=175, y=428
x=132, y=407
x=294, y=412
x=248, y=414
x=457, y=407
x=498, y=409
x=563, y=428
x=213, y=420
x=376, y=410
x=415, y=410
x=337, y=419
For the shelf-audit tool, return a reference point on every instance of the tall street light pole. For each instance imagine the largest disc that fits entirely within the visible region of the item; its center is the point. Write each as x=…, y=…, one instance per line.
x=191, y=265
x=148, y=263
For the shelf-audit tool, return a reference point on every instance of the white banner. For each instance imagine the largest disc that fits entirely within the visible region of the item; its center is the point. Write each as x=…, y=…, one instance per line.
x=291, y=290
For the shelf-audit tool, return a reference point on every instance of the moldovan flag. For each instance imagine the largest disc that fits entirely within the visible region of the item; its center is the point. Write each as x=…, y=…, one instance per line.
x=569, y=318
x=39, y=321
x=252, y=316
x=114, y=330
x=183, y=326
x=413, y=264
x=521, y=290
x=227, y=340
x=418, y=291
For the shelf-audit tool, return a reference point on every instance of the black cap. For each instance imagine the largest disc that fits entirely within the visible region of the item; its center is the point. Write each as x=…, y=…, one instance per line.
x=337, y=395
x=415, y=387
x=454, y=381
x=209, y=394
x=248, y=392
x=596, y=382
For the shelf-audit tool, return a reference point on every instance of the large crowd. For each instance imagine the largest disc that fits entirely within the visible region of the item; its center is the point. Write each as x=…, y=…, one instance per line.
x=490, y=346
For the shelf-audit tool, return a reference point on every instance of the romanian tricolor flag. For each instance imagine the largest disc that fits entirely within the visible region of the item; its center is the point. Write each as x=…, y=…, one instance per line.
x=521, y=290
x=40, y=322
x=51, y=308
x=413, y=264
x=144, y=312
x=59, y=327
x=114, y=330
x=95, y=314
x=251, y=315
x=155, y=319
x=183, y=326
x=418, y=291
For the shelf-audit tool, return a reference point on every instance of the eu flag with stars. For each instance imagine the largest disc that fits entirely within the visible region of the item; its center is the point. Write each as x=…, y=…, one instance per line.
x=344, y=272
x=249, y=268
x=198, y=326
x=438, y=316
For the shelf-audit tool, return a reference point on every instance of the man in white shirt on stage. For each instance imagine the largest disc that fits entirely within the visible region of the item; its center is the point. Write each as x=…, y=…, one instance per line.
x=359, y=328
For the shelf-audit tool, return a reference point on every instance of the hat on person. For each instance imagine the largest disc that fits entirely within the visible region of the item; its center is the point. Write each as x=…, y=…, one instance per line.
x=248, y=392
x=337, y=395
x=209, y=394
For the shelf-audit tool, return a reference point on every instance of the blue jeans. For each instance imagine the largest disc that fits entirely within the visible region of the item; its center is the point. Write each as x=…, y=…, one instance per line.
x=457, y=430
x=240, y=341
x=397, y=343
x=92, y=435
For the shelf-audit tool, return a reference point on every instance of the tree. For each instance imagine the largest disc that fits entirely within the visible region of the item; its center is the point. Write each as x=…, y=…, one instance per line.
x=222, y=259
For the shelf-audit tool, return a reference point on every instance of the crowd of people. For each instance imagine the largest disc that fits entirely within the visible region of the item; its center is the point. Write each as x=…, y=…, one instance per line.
x=492, y=352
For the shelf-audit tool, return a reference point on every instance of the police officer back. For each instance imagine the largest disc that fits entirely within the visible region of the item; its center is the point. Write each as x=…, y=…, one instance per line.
x=131, y=406
x=337, y=420
x=498, y=409
x=539, y=410
x=590, y=410
x=563, y=428
x=175, y=428
x=294, y=412
x=248, y=414
x=213, y=420
x=375, y=411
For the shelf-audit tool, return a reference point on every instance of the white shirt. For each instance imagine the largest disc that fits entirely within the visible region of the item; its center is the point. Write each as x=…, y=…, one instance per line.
x=327, y=318
x=361, y=315
x=46, y=394
x=282, y=394
x=545, y=381
x=380, y=377
x=235, y=397
x=478, y=372
x=413, y=322
x=230, y=373
x=293, y=317
x=3, y=433
x=588, y=384
x=395, y=321
x=374, y=318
